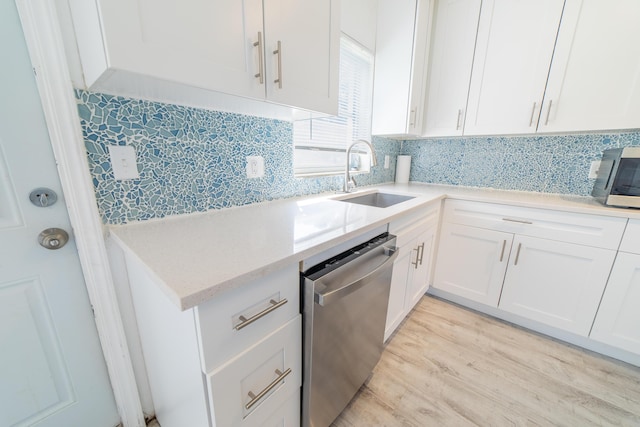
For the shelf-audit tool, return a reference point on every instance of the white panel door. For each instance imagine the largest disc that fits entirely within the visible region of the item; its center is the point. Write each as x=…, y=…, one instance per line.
x=618, y=319
x=52, y=371
x=594, y=82
x=398, y=290
x=420, y=271
x=203, y=43
x=306, y=64
x=453, y=43
x=472, y=262
x=511, y=63
x=556, y=283
x=393, y=65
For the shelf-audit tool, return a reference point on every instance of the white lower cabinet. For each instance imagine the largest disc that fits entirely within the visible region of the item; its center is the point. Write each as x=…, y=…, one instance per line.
x=472, y=262
x=490, y=254
x=556, y=283
x=234, y=360
x=416, y=236
x=618, y=319
x=399, y=280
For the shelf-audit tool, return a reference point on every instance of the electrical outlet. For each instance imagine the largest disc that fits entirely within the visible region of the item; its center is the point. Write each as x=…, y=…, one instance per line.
x=595, y=167
x=255, y=166
x=123, y=162
x=386, y=161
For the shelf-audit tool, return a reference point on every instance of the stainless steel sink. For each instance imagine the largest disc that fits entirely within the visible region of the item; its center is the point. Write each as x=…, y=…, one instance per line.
x=378, y=200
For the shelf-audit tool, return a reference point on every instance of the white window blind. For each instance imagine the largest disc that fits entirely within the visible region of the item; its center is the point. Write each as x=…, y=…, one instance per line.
x=320, y=143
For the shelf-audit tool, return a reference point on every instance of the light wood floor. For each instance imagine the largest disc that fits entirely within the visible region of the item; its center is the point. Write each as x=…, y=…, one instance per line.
x=449, y=366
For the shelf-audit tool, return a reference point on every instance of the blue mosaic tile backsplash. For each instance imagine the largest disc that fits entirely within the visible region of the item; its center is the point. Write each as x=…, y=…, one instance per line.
x=193, y=160
x=549, y=164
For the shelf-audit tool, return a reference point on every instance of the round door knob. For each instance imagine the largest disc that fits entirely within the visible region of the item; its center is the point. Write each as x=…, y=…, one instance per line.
x=53, y=238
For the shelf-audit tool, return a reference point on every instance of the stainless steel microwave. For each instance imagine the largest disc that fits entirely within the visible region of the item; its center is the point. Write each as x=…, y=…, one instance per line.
x=618, y=182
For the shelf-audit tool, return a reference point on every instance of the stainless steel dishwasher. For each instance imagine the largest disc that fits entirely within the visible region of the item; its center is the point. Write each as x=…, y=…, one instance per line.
x=344, y=311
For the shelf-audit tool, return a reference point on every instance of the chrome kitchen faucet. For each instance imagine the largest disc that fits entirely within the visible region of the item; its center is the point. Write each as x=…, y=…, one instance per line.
x=348, y=179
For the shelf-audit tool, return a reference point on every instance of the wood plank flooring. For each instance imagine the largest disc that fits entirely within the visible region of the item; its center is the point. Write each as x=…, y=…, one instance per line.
x=449, y=366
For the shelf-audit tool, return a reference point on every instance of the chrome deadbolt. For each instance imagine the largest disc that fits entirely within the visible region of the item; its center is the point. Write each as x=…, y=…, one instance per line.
x=43, y=197
x=53, y=238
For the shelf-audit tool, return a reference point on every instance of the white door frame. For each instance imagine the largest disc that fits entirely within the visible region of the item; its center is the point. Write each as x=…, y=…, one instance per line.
x=46, y=50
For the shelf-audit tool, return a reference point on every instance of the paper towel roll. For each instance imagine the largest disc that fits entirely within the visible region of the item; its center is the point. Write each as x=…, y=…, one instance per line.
x=403, y=169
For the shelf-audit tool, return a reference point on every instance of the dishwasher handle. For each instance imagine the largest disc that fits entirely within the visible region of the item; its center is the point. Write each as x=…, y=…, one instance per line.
x=326, y=298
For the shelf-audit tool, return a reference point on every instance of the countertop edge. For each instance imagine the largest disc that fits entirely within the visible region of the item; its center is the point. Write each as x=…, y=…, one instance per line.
x=189, y=301
x=427, y=193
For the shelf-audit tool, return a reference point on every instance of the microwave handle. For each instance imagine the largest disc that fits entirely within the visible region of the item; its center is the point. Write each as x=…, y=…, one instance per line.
x=610, y=177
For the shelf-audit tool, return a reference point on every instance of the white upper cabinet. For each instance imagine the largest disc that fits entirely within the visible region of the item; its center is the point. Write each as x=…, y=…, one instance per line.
x=451, y=56
x=594, y=82
x=227, y=46
x=402, y=42
x=306, y=66
x=513, y=54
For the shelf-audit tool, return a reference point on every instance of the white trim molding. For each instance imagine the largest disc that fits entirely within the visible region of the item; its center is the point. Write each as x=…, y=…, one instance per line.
x=44, y=40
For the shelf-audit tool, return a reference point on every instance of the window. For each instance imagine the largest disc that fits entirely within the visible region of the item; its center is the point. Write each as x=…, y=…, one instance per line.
x=320, y=143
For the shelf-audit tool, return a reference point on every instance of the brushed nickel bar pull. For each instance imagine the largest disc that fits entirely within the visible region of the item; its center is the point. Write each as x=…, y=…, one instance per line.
x=521, y=221
x=518, y=254
x=504, y=245
x=421, y=247
x=533, y=110
x=278, y=52
x=256, y=397
x=246, y=322
x=412, y=117
x=416, y=262
x=546, y=122
x=458, y=119
x=258, y=44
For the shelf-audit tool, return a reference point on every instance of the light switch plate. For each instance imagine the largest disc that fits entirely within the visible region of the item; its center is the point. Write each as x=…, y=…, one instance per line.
x=123, y=162
x=386, y=161
x=593, y=171
x=255, y=166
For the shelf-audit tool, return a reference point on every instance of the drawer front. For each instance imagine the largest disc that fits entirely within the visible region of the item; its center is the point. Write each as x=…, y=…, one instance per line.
x=583, y=229
x=631, y=238
x=220, y=333
x=252, y=377
x=408, y=227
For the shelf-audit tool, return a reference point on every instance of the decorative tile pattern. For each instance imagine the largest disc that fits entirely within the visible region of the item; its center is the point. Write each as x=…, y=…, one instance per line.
x=193, y=160
x=545, y=163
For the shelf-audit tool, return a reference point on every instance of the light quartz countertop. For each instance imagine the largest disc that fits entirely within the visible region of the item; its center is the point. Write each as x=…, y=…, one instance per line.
x=194, y=257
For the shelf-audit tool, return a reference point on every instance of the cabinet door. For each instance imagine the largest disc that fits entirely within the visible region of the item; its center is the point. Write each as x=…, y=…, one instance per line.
x=511, y=63
x=618, y=319
x=556, y=283
x=398, y=291
x=472, y=262
x=202, y=43
x=304, y=71
x=401, y=51
x=594, y=81
x=451, y=57
x=420, y=269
